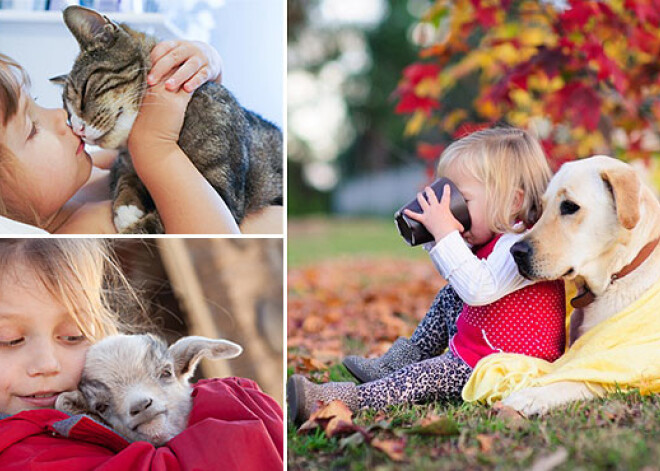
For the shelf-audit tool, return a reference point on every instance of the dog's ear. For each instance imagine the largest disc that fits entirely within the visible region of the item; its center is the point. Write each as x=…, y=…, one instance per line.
x=625, y=186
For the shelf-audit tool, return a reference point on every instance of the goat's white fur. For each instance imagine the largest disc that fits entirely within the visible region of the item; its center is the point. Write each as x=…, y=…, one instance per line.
x=139, y=387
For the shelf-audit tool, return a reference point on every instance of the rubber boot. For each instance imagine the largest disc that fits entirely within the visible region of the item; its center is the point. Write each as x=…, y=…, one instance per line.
x=302, y=396
x=401, y=353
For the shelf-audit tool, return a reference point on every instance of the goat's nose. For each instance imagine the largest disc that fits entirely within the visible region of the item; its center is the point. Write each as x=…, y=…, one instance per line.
x=140, y=406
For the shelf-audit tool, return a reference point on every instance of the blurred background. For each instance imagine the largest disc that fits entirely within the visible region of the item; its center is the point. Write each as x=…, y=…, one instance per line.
x=248, y=34
x=378, y=88
x=218, y=288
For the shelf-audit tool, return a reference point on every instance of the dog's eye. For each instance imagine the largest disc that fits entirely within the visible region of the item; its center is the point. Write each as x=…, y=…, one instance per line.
x=568, y=207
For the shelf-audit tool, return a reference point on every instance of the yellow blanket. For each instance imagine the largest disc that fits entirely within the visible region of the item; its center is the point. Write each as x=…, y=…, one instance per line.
x=622, y=352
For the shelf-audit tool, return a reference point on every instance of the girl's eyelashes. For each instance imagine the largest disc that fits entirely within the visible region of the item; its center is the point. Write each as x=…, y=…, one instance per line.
x=11, y=343
x=34, y=130
x=73, y=339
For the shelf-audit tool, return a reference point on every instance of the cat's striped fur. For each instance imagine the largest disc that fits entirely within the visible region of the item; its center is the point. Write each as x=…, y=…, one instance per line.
x=236, y=150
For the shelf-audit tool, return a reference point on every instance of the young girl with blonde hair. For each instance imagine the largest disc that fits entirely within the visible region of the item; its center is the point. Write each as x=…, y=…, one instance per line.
x=57, y=297
x=487, y=306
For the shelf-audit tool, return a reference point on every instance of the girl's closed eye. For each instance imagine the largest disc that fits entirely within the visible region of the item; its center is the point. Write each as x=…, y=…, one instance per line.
x=71, y=336
x=34, y=130
x=73, y=339
x=12, y=342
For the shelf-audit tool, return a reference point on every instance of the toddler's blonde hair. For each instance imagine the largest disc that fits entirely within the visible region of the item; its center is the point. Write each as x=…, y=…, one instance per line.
x=79, y=273
x=504, y=160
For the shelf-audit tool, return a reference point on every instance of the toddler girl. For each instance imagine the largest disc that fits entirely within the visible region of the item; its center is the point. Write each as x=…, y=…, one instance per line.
x=487, y=306
x=54, y=302
x=48, y=180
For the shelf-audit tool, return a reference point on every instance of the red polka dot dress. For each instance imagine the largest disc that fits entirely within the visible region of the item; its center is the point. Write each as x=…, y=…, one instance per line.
x=529, y=321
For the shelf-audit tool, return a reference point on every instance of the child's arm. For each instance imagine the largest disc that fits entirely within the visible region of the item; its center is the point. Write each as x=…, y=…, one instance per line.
x=185, y=200
x=187, y=203
x=477, y=282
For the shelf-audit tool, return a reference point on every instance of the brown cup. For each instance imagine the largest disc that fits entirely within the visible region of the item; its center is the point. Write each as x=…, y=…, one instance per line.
x=414, y=232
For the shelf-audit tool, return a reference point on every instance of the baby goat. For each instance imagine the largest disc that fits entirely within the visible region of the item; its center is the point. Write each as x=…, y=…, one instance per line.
x=139, y=386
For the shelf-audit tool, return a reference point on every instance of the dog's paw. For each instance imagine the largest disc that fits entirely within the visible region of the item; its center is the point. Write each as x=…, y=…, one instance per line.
x=126, y=216
x=530, y=401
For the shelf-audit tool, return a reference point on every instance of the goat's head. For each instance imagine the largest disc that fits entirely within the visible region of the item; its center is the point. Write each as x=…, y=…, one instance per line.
x=139, y=386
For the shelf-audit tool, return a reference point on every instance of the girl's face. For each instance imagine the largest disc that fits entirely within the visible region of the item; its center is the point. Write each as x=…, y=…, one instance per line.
x=42, y=351
x=474, y=193
x=53, y=164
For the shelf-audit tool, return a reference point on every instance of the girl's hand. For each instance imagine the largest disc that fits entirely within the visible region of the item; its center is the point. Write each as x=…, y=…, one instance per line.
x=436, y=216
x=191, y=63
x=158, y=123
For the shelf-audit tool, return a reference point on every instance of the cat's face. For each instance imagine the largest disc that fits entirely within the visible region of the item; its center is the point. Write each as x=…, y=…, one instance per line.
x=102, y=93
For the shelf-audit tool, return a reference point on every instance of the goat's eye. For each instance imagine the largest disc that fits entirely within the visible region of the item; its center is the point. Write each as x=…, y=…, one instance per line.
x=101, y=407
x=166, y=373
x=568, y=207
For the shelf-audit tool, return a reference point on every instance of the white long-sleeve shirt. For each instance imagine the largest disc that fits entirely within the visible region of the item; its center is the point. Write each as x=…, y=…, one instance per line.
x=478, y=282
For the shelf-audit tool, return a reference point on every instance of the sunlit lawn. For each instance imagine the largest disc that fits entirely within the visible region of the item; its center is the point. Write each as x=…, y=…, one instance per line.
x=315, y=239
x=621, y=431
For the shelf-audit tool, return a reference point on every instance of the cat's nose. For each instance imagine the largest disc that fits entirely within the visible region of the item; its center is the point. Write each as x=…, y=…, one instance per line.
x=79, y=129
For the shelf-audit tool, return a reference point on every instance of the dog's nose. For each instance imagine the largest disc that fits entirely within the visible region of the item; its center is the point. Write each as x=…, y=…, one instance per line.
x=521, y=252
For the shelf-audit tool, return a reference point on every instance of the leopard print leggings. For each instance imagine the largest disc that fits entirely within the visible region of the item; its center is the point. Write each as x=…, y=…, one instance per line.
x=436, y=378
x=439, y=325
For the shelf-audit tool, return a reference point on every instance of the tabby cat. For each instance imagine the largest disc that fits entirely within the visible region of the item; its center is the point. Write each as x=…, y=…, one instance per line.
x=236, y=150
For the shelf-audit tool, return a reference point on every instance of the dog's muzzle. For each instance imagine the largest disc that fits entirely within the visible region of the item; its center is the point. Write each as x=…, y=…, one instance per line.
x=522, y=254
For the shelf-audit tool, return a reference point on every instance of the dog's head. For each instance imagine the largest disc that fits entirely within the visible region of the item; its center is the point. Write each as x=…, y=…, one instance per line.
x=591, y=211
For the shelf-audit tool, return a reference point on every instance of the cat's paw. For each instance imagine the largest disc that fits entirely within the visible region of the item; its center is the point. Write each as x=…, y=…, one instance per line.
x=126, y=216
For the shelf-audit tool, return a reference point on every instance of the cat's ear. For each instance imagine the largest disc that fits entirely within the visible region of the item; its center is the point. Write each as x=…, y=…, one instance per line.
x=91, y=30
x=59, y=80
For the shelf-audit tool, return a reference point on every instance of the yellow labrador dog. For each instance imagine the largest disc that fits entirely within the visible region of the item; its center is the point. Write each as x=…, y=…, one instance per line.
x=600, y=227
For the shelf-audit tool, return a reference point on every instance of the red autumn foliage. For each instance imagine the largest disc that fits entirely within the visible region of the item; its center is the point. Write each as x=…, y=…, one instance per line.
x=590, y=71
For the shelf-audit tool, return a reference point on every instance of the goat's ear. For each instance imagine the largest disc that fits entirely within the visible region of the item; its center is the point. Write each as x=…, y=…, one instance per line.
x=625, y=185
x=72, y=402
x=187, y=352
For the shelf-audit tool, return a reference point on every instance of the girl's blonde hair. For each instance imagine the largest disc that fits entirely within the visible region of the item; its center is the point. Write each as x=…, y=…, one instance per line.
x=13, y=81
x=504, y=160
x=79, y=273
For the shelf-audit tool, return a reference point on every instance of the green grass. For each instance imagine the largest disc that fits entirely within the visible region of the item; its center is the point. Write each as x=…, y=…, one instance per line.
x=311, y=240
x=620, y=432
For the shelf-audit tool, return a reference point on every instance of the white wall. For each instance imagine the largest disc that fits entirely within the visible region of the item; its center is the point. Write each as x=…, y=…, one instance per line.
x=249, y=34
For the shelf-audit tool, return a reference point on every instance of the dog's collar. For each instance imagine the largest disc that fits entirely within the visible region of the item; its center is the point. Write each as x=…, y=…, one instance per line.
x=586, y=297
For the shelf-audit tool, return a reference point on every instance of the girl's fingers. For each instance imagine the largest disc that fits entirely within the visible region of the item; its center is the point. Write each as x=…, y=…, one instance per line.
x=200, y=78
x=167, y=62
x=446, y=196
x=430, y=194
x=161, y=49
x=185, y=72
x=412, y=215
x=422, y=201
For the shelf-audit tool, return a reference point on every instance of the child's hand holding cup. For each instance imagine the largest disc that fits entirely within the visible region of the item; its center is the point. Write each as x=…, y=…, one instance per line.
x=413, y=231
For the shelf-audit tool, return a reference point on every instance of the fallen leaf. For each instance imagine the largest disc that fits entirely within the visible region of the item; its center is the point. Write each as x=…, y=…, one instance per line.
x=394, y=449
x=549, y=462
x=485, y=442
x=353, y=440
x=511, y=417
x=334, y=418
x=435, y=425
x=311, y=364
x=313, y=324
